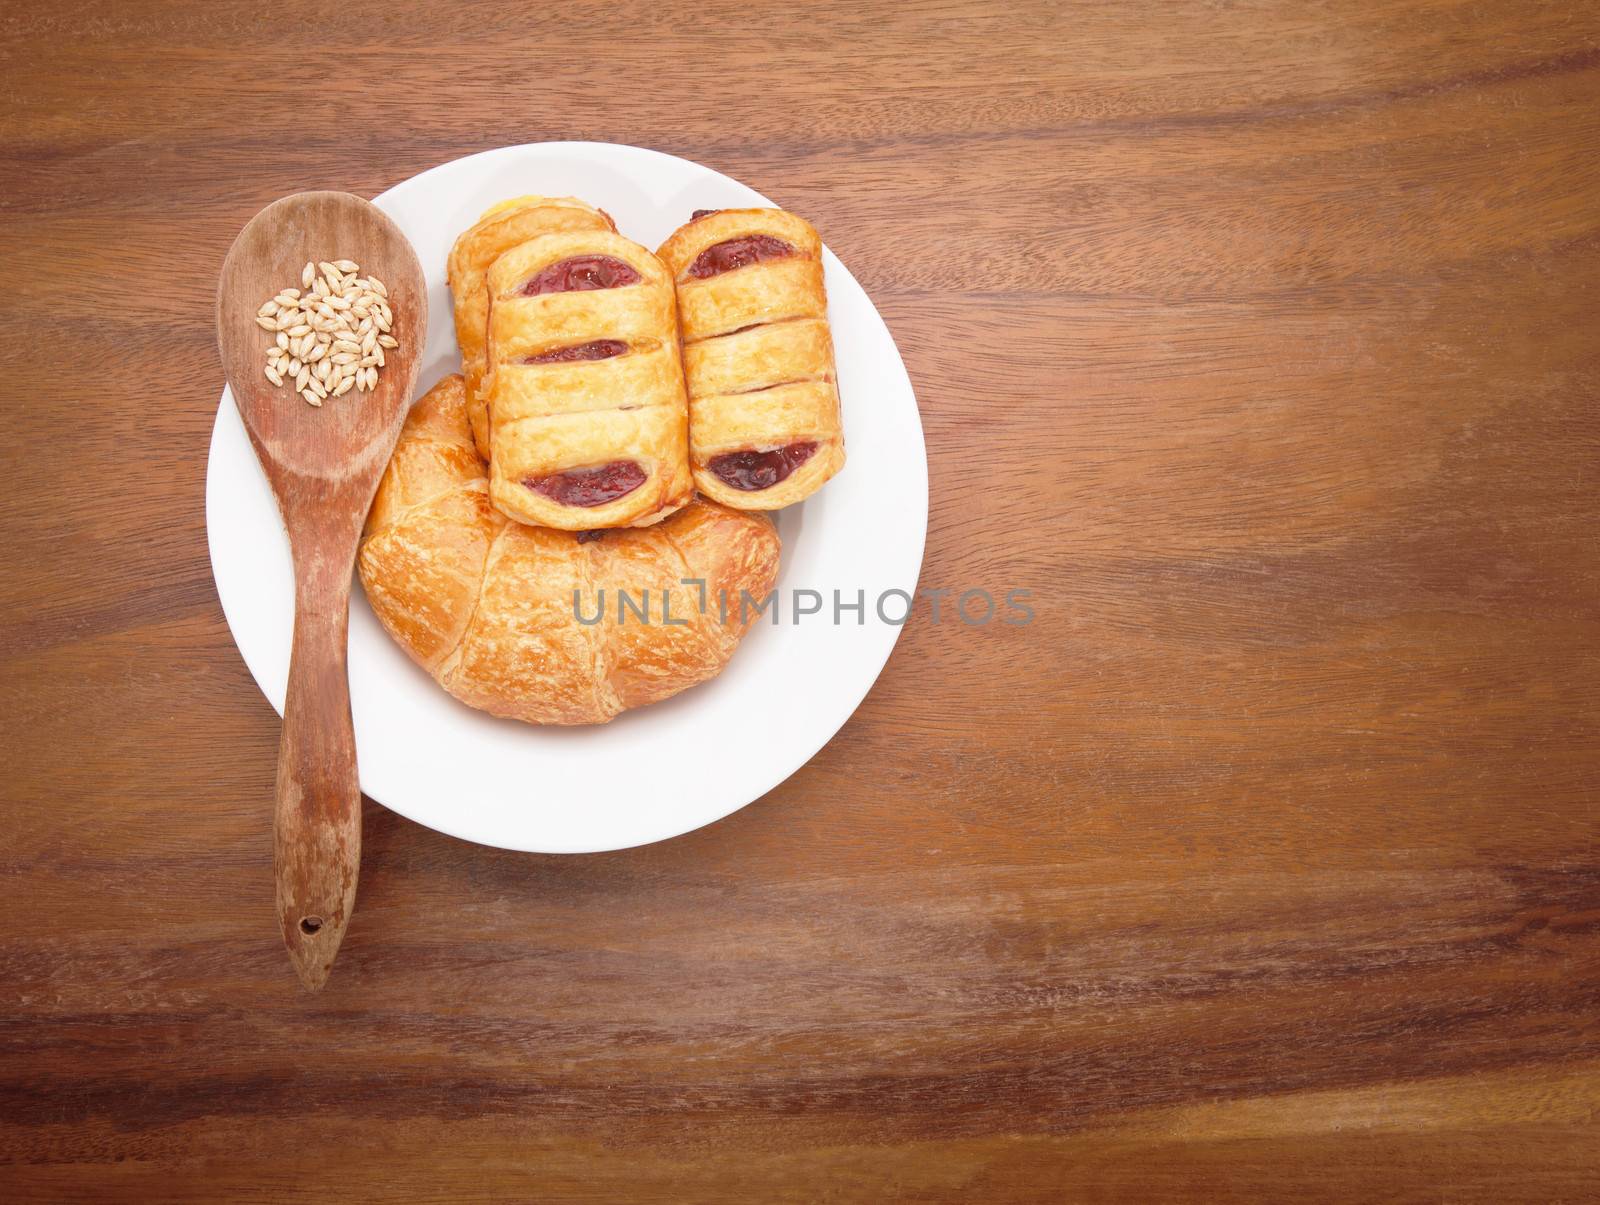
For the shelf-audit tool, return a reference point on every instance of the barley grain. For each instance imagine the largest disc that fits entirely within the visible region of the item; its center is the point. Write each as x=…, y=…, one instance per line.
x=331, y=333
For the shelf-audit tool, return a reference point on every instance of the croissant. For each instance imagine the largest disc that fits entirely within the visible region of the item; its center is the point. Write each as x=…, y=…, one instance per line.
x=488, y=607
x=764, y=426
x=501, y=228
x=589, y=422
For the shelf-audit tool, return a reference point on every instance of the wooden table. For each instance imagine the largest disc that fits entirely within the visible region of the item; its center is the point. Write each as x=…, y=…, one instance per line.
x=1258, y=340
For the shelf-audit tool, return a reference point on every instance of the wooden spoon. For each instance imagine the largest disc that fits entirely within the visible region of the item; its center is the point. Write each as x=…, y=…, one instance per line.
x=324, y=465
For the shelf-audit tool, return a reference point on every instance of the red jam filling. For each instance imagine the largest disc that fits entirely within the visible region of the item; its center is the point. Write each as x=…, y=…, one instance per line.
x=600, y=349
x=580, y=274
x=738, y=253
x=702, y=213
x=589, y=487
x=760, y=470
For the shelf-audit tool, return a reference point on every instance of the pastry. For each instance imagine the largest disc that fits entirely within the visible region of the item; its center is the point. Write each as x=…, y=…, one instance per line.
x=588, y=418
x=501, y=228
x=764, y=427
x=487, y=605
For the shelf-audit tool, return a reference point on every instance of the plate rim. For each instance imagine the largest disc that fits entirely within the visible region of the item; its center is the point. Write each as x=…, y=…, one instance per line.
x=227, y=408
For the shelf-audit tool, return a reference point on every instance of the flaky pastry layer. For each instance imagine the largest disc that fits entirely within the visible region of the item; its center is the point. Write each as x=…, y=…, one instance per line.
x=501, y=227
x=758, y=354
x=485, y=604
x=626, y=406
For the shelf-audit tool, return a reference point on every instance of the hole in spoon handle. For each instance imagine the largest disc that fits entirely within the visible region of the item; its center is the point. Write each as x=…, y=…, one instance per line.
x=317, y=829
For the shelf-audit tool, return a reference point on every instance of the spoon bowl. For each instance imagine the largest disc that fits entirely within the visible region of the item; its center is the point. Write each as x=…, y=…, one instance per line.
x=324, y=464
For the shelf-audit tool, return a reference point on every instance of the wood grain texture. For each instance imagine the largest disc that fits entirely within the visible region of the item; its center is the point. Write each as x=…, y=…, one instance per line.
x=323, y=464
x=1257, y=339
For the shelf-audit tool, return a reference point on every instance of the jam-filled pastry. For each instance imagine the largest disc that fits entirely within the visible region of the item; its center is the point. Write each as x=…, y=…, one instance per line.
x=588, y=418
x=501, y=228
x=529, y=622
x=764, y=428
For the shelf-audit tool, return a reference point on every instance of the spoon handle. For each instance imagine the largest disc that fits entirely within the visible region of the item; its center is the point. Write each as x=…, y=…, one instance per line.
x=317, y=828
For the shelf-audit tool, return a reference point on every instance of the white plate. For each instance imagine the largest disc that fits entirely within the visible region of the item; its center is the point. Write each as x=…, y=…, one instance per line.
x=658, y=771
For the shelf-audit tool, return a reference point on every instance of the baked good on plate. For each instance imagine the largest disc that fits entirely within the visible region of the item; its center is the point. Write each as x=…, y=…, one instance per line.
x=589, y=424
x=486, y=605
x=501, y=228
x=764, y=427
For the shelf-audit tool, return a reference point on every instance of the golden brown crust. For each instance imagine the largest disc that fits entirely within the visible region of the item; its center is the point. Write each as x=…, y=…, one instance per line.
x=551, y=418
x=523, y=654
x=686, y=243
x=496, y=232
x=658, y=640
x=486, y=605
x=758, y=355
